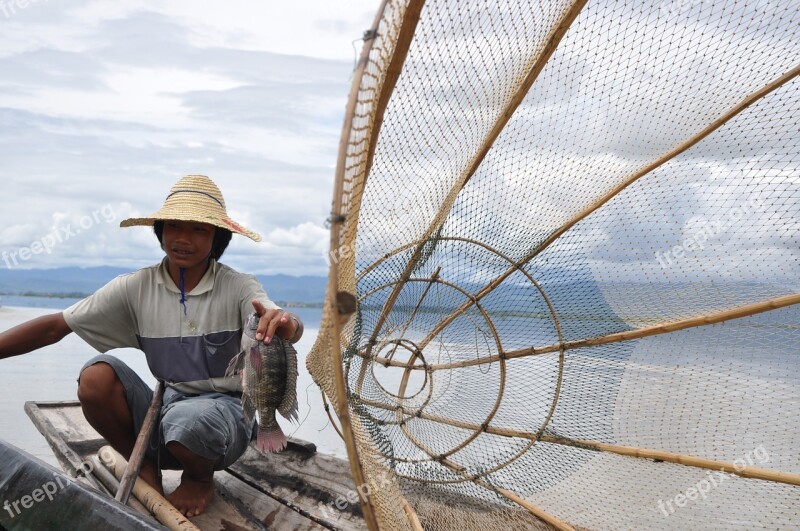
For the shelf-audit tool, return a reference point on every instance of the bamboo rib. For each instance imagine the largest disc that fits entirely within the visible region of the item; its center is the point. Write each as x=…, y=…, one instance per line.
x=501, y=390
x=433, y=279
x=534, y=70
x=413, y=519
x=556, y=322
x=703, y=320
x=443, y=456
x=535, y=510
x=630, y=451
x=455, y=467
x=412, y=359
x=690, y=142
x=744, y=471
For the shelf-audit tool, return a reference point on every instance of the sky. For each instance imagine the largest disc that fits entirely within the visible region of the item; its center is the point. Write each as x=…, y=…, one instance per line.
x=104, y=105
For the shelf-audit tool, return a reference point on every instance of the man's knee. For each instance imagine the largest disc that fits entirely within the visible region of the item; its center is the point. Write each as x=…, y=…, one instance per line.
x=98, y=383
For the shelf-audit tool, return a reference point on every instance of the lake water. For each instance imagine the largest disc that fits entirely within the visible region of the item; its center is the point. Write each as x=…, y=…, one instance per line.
x=50, y=374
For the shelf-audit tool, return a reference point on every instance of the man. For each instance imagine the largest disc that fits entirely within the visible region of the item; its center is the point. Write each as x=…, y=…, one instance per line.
x=187, y=315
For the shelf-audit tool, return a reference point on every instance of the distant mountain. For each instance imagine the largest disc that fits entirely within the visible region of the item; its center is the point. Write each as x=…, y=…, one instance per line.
x=81, y=281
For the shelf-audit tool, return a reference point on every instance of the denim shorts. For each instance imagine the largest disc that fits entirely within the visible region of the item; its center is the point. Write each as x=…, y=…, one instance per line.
x=210, y=424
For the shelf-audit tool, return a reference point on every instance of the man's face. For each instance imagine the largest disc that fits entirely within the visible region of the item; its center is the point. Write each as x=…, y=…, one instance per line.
x=187, y=243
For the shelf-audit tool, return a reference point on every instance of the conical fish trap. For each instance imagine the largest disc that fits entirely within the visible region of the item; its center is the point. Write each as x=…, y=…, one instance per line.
x=572, y=231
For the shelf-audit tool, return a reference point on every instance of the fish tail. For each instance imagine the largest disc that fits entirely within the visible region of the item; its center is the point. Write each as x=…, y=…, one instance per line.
x=270, y=438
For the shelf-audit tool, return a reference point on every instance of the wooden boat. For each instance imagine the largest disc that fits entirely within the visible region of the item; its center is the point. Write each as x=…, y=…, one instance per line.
x=295, y=489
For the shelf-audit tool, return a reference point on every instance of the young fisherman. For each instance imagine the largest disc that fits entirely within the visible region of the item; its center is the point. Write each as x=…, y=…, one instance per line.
x=186, y=314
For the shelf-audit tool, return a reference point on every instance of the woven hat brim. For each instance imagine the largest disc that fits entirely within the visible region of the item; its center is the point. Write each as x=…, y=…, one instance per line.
x=224, y=223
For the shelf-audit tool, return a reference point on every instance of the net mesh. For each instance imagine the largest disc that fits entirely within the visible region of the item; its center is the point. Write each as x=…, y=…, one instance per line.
x=572, y=231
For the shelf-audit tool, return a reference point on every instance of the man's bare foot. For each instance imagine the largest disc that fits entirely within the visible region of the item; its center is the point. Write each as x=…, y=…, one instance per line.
x=149, y=473
x=192, y=495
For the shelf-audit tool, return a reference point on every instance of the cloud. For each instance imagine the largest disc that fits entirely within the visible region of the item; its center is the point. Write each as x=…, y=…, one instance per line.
x=112, y=103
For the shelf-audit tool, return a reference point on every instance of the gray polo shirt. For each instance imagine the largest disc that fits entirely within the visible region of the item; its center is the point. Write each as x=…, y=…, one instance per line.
x=189, y=351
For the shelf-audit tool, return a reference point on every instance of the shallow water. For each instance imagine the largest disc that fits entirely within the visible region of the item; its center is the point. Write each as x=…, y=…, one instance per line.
x=50, y=374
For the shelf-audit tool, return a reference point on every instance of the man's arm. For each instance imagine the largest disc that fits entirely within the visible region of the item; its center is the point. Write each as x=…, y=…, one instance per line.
x=33, y=334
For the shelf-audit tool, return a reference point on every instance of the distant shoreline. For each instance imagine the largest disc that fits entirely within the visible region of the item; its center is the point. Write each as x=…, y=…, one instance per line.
x=80, y=295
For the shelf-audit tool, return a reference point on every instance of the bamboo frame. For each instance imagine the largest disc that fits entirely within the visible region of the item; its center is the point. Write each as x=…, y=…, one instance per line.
x=340, y=403
x=693, y=322
x=387, y=360
x=681, y=148
x=413, y=357
x=538, y=64
x=500, y=393
x=408, y=27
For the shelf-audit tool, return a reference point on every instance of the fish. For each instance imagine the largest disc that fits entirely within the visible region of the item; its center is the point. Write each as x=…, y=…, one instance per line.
x=268, y=373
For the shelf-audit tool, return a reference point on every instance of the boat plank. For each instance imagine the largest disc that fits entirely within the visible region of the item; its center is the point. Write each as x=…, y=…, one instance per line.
x=294, y=489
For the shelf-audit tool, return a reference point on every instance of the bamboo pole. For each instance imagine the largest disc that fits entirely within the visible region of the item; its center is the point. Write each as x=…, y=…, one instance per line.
x=744, y=471
x=693, y=322
x=630, y=451
x=142, y=440
x=152, y=499
x=681, y=148
x=111, y=483
x=340, y=402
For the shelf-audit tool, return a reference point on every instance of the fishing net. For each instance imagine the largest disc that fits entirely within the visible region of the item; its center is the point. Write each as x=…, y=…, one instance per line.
x=572, y=231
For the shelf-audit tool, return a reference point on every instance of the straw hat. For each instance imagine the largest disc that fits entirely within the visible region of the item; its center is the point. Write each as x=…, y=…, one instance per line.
x=194, y=198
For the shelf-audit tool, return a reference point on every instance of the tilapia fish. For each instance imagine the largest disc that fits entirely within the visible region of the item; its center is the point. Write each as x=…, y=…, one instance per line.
x=269, y=384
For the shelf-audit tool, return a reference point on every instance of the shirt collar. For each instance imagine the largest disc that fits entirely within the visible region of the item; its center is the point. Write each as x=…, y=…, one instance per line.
x=206, y=283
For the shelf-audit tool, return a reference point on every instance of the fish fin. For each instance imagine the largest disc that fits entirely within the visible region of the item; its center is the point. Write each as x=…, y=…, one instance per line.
x=288, y=407
x=235, y=366
x=248, y=410
x=270, y=437
x=255, y=359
